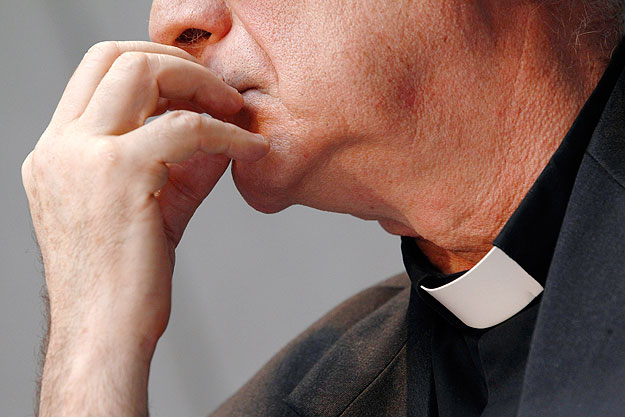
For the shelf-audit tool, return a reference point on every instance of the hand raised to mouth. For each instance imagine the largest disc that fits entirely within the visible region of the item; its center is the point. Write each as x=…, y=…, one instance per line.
x=110, y=197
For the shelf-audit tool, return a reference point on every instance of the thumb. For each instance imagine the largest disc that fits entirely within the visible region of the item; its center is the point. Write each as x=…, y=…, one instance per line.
x=188, y=184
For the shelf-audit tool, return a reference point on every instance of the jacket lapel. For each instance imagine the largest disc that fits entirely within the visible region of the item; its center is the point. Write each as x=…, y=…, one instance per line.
x=576, y=365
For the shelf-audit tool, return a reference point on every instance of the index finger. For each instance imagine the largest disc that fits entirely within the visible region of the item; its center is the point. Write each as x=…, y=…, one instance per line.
x=129, y=93
x=92, y=69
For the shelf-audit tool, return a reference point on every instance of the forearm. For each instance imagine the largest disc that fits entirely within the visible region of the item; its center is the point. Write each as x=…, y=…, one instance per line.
x=94, y=375
x=95, y=364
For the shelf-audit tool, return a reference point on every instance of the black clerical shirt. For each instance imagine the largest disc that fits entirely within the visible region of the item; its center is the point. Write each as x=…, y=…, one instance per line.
x=479, y=371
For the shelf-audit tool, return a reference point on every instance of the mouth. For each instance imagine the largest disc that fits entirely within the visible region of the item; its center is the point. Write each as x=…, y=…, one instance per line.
x=252, y=98
x=243, y=85
x=250, y=95
x=246, y=90
x=251, y=90
x=239, y=83
x=246, y=118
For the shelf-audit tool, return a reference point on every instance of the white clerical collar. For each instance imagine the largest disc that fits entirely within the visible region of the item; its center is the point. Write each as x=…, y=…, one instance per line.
x=490, y=293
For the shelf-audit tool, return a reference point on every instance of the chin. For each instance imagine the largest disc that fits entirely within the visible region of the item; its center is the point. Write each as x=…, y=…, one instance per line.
x=261, y=185
x=396, y=228
x=290, y=173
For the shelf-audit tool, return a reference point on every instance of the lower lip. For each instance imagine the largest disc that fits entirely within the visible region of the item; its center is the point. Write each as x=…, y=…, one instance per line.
x=251, y=96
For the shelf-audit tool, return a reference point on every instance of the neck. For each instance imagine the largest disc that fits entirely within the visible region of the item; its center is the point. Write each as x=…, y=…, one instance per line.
x=533, y=86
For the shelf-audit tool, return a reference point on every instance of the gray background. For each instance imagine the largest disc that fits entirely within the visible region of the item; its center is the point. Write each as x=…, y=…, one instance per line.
x=245, y=283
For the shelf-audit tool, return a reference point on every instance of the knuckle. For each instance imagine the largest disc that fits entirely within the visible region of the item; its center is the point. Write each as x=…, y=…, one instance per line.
x=231, y=130
x=35, y=168
x=103, y=49
x=26, y=170
x=131, y=61
x=187, y=120
x=105, y=151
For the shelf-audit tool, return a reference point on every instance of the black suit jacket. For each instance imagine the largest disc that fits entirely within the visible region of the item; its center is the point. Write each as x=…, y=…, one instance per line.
x=370, y=356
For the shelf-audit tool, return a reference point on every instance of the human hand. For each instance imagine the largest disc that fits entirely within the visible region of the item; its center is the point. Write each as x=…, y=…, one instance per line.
x=110, y=197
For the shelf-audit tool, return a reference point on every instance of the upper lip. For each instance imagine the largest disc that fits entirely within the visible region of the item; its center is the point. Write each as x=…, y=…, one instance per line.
x=239, y=83
x=243, y=90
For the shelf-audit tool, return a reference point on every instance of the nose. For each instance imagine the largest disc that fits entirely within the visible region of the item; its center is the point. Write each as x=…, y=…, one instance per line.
x=189, y=24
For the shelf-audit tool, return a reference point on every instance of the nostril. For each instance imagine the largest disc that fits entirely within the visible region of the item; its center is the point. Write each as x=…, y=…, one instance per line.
x=192, y=37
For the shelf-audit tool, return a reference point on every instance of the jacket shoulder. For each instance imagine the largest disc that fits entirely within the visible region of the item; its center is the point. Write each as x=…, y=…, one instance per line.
x=263, y=394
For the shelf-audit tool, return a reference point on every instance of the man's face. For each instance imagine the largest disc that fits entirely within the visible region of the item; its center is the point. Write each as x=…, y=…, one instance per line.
x=332, y=83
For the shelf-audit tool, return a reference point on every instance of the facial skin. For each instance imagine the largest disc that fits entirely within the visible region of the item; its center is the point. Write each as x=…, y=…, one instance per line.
x=433, y=118
x=323, y=93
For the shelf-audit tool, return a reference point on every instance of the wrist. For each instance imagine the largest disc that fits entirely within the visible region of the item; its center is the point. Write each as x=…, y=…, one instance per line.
x=80, y=373
x=109, y=343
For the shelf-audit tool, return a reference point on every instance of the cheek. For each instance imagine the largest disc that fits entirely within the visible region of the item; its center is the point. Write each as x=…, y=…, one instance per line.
x=332, y=59
x=306, y=45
